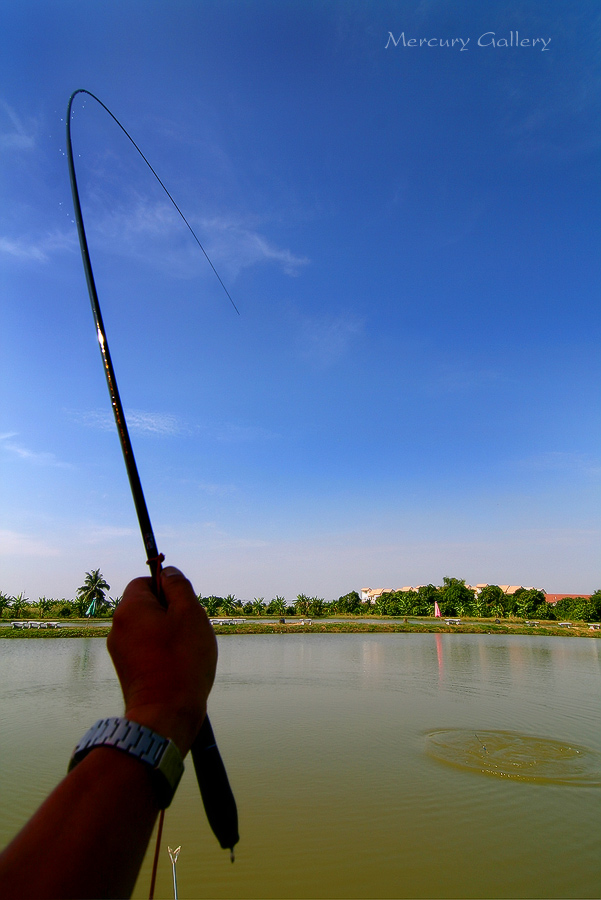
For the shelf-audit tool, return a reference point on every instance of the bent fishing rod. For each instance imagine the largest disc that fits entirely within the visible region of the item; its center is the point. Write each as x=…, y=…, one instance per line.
x=217, y=796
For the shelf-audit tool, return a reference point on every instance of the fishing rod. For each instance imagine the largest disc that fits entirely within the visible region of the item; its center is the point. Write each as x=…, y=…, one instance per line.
x=217, y=796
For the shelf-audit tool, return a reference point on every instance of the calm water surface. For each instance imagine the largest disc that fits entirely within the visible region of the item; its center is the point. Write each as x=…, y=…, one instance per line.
x=325, y=738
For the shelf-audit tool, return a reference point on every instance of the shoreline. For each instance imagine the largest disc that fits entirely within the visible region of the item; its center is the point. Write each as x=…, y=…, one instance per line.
x=475, y=626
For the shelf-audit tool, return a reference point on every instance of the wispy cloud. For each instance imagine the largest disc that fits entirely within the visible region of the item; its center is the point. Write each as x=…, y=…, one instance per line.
x=325, y=339
x=155, y=423
x=22, y=249
x=14, y=543
x=15, y=134
x=160, y=424
x=36, y=457
x=218, y=490
x=168, y=425
x=40, y=249
x=101, y=533
x=239, y=247
x=458, y=378
x=560, y=461
x=233, y=432
x=154, y=232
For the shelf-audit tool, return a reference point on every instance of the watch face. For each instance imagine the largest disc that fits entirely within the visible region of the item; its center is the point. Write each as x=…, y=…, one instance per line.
x=171, y=765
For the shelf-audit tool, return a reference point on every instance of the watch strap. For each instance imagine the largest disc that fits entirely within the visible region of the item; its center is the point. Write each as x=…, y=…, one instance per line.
x=136, y=740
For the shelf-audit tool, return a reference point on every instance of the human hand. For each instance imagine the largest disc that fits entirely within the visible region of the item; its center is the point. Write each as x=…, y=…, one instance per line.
x=165, y=657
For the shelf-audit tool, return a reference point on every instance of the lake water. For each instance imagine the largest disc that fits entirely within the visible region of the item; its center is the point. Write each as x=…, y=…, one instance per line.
x=364, y=766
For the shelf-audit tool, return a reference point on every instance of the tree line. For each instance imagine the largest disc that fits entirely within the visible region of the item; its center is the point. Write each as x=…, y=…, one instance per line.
x=91, y=599
x=454, y=598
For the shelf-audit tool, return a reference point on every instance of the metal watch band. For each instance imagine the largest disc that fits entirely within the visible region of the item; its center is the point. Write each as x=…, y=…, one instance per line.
x=136, y=740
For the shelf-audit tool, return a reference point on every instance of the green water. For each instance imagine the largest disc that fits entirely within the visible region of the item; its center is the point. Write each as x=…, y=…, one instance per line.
x=328, y=741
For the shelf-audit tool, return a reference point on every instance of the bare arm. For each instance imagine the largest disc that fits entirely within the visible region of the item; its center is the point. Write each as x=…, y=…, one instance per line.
x=88, y=839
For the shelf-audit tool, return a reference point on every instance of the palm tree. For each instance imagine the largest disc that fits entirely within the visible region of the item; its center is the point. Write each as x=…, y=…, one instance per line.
x=231, y=604
x=317, y=607
x=19, y=604
x=44, y=605
x=277, y=606
x=226, y=605
x=259, y=606
x=211, y=604
x=302, y=604
x=5, y=602
x=91, y=595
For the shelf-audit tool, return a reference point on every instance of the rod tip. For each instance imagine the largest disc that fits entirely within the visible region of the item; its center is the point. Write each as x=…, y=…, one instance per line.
x=232, y=856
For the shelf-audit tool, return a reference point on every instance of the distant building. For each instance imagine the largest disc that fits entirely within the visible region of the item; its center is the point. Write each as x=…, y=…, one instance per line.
x=553, y=598
x=370, y=595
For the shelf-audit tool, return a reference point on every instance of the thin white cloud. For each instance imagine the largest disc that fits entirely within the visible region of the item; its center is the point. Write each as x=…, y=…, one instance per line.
x=37, y=457
x=219, y=490
x=14, y=543
x=560, y=461
x=100, y=534
x=458, y=378
x=154, y=423
x=138, y=421
x=326, y=339
x=168, y=425
x=232, y=432
x=240, y=247
x=38, y=250
x=18, y=135
x=21, y=249
x=154, y=232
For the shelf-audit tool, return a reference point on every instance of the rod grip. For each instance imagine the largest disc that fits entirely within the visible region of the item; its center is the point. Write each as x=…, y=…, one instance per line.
x=215, y=790
x=217, y=796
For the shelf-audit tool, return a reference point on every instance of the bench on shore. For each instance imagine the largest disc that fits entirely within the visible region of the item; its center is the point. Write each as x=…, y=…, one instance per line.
x=452, y=621
x=227, y=621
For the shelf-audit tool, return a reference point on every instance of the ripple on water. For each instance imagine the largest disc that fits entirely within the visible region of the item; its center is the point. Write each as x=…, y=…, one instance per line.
x=522, y=757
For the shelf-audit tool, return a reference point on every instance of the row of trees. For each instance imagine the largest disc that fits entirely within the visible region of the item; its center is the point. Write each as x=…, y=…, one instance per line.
x=454, y=598
x=90, y=600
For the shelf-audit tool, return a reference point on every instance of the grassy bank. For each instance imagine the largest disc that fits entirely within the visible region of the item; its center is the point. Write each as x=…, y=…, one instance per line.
x=468, y=626
x=395, y=627
x=53, y=633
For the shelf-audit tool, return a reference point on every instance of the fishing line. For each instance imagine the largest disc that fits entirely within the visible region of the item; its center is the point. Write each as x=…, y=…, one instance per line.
x=128, y=135
x=155, y=861
x=217, y=796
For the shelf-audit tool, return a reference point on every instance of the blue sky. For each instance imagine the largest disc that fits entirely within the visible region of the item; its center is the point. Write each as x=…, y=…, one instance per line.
x=411, y=235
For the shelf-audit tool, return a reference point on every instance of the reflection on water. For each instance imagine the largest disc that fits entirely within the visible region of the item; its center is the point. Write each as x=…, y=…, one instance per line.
x=325, y=738
x=82, y=662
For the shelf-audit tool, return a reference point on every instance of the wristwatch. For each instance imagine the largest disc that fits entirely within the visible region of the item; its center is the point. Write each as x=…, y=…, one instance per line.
x=136, y=740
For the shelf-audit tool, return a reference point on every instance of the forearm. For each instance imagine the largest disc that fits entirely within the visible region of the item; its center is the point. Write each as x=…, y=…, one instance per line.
x=89, y=837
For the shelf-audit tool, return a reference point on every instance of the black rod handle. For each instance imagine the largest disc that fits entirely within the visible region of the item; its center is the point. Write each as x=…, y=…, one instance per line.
x=213, y=783
x=215, y=790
